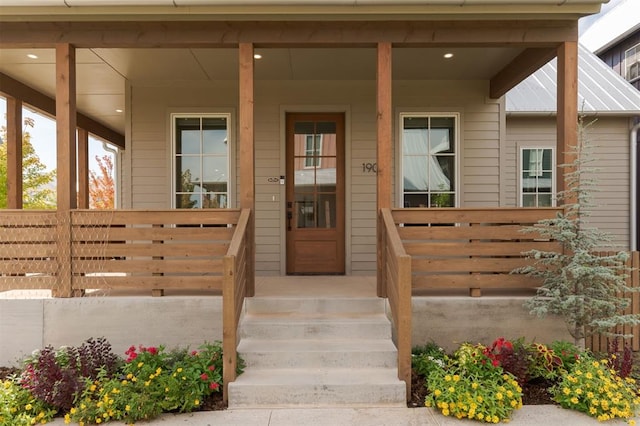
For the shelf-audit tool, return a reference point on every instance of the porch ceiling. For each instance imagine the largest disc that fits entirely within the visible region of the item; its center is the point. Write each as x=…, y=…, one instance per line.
x=102, y=73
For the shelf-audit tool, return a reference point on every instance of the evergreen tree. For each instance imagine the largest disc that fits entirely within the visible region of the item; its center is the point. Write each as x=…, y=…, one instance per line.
x=579, y=284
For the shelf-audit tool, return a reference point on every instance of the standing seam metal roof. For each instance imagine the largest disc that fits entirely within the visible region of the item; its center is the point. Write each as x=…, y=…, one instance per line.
x=600, y=89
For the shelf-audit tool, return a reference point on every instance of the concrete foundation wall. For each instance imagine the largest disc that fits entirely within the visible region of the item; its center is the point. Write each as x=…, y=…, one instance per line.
x=31, y=324
x=26, y=325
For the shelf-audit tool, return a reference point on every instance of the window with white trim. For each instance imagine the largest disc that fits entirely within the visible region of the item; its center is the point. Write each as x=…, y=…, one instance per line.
x=200, y=160
x=312, y=151
x=429, y=160
x=537, y=181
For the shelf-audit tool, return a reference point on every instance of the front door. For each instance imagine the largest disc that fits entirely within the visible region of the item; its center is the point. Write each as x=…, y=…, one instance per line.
x=315, y=194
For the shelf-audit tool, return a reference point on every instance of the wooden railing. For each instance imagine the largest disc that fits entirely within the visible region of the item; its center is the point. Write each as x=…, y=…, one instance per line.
x=600, y=342
x=114, y=249
x=468, y=248
x=235, y=287
x=396, y=273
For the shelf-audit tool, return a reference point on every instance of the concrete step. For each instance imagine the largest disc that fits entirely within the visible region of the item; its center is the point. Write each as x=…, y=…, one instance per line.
x=310, y=353
x=292, y=387
x=315, y=326
x=293, y=305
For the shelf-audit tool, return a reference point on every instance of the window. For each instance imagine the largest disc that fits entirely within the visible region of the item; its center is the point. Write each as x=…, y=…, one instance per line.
x=632, y=63
x=428, y=160
x=201, y=161
x=537, y=183
x=312, y=151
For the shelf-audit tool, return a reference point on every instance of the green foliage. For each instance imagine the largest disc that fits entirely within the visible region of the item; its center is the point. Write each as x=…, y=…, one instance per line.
x=38, y=192
x=152, y=382
x=568, y=352
x=19, y=407
x=470, y=386
x=427, y=358
x=579, y=284
x=594, y=388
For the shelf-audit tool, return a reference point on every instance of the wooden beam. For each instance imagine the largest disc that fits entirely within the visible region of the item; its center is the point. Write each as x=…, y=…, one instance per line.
x=83, y=169
x=384, y=149
x=14, y=88
x=567, y=119
x=519, y=69
x=148, y=34
x=247, y=152
x=14, y=153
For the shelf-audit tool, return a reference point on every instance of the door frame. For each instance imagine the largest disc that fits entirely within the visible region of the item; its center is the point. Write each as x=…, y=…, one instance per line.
x=331, y=108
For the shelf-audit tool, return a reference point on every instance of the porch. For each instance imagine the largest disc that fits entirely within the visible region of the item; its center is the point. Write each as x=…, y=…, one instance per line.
x=444, y=272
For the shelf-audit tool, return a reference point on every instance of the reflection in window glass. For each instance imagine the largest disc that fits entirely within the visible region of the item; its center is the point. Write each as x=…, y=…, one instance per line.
x=201, y=163
x=536, y=178
x=428, y=161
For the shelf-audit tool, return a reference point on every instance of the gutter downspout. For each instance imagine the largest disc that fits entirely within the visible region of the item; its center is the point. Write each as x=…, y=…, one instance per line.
x=634, y=187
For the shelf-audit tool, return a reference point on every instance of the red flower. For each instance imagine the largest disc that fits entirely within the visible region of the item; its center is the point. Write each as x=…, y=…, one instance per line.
x=204, y=377
x=152, y=350
x=213, y=386
x=212, y=367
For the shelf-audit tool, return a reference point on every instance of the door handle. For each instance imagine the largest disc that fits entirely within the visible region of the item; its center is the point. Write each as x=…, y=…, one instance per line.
x=289, y=217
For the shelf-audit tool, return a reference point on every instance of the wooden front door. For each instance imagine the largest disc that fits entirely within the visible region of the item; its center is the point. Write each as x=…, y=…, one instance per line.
x=315, y=193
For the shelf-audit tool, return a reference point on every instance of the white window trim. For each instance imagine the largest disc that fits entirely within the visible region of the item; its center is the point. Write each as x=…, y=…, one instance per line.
x=231, y=165
x=627, y=65
x=521, y=149
x=457, y=153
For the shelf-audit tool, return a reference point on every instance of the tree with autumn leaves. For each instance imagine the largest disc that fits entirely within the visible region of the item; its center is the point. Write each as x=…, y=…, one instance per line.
x=102, y=185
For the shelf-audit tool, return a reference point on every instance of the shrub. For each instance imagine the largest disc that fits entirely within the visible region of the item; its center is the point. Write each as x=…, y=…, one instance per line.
x=594, y=388
x=153, y=381
x=568, y=353
x=544, y=362
x=513, y=357
x=57, y=376
x=425, y=359
x=621, y=360
x=472, y=387
x=19, y=407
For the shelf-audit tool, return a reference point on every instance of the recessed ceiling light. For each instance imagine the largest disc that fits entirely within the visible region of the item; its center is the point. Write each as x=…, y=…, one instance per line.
x=118, y=110
x=257, y=56
x=448, y=55
x=32, y=56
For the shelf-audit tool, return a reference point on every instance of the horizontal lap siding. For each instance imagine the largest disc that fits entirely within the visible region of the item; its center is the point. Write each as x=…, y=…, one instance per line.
x=609, y=139
x=479, y=148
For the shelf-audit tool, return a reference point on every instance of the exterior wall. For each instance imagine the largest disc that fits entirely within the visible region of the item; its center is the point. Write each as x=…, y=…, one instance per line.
x=609, y=138
x=149, y=163
x=614, y=55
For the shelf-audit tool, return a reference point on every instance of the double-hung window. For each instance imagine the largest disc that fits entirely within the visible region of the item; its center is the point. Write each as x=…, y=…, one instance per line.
x=429, y=160
x=632, y=63
x=201, y=160
x=537, y=183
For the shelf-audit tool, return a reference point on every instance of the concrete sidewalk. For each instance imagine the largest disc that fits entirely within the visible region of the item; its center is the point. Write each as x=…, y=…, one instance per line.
x=529, y=415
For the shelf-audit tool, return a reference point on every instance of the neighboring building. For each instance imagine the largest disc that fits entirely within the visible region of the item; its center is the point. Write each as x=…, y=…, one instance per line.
x=615, y=38
x=610, y=106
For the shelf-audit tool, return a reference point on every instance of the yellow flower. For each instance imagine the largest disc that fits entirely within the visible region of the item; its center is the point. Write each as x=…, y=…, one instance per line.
x=495, y=419
x=28, y=407
x=158, y=370
x=589, y=375
x=574, y=400
x=67, y=419
x=140, y=364
x=632, y=422
x=98, y=420
x=456, y=378
x=196, y=402
x=129, y=376
x=437, y=392
x=179, y=370
x=474, y=385
x=127, y=408
x=451, y=389
x=92, y=388
x=147, y=383
x=447, y=378
x=445, y=412
x=480, y=416
x=73, y=410
x=566, y=391
x=499, y=396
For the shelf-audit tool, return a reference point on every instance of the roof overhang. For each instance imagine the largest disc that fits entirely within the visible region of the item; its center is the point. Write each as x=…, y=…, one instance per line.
x=79, y=10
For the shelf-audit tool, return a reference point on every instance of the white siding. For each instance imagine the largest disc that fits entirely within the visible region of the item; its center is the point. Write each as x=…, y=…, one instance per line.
x=609, y=138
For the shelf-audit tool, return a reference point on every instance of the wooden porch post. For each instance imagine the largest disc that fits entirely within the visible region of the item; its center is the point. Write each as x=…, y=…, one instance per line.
x=66, y=160
x=14, y=153
x=567, y=119
x=384, y=152
x=247, y=155
x=83, y=169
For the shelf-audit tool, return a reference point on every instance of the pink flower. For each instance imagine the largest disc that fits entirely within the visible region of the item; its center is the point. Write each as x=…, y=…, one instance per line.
x=204, y=377
x=212, y=367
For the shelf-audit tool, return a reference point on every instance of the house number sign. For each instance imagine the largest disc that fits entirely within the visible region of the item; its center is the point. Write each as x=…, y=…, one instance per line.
x=369, y=167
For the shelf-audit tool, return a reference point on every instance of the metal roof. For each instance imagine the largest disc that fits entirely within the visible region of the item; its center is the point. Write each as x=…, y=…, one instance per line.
x=600, y=90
